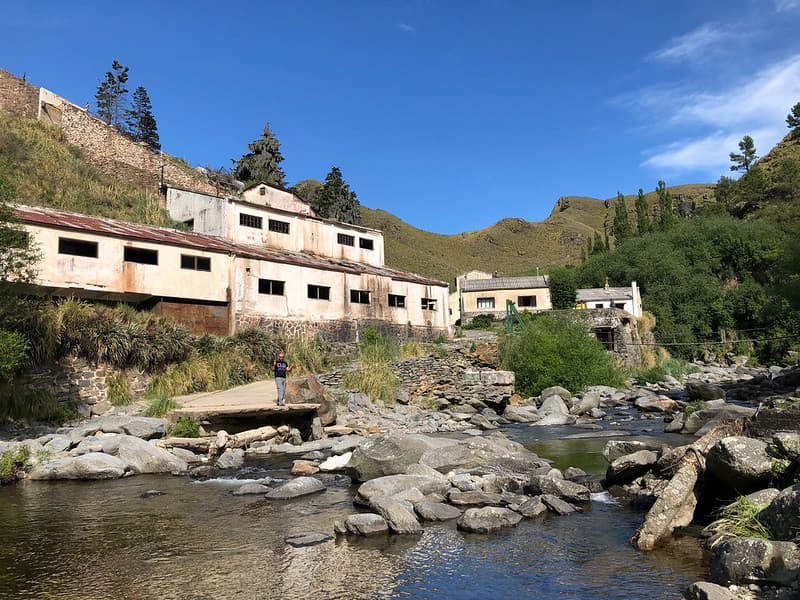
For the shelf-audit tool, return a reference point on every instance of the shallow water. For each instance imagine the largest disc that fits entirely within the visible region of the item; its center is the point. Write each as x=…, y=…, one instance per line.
x=101, y=540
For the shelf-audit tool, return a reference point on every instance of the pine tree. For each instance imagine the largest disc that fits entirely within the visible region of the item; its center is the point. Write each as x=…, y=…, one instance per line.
x=642, y=214
x=622, y=224
x=793, y=119
x=665, y=215
x=111, y=96
x=262, y=163
x=140, y=120
x=598, y=247
x=336, y=201
x=748, y=156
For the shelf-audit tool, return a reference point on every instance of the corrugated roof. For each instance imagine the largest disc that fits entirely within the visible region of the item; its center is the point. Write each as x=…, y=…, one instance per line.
x=612, y=293
x=504, y=283
x=122, y=229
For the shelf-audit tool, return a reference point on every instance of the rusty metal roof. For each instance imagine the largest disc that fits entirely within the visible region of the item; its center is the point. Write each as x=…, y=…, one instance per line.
x=49, y=217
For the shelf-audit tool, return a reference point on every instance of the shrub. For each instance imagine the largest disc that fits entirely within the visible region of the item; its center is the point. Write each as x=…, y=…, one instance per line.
x=693, y=407
x=13, y=463
x=659, y=371
x=484, y=321
x=119, y=390
x=186, y=427
x=557, y=350
x=412, y=349
x=160, y=405
x=376, y=380
x=306, y=355
x=257, y=344
x=27, y=405
x=13, y=353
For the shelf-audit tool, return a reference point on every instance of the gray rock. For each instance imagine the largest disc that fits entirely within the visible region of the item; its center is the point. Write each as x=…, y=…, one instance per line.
x=755, y=561
x=787, y=444
x=699, y=390
x=324, y=444
x=481, y=422
x=556, y=390
x=436, y=511
x=709, y=416
x=587, y=403
x=141, y=427
x=705, y=590
x=390, y=454
x=345, y=444
x=335, y=462
x=627, y=468
x=142, y=456
x=400, y=519
x=658, y=404
x=554, y=419
x=573, y=473
x=366, y=524
x=782, y=515
x=186, y=455
x=740, y=462
x=313, y=455
x=474, y=498
x=311, y=538
x=426, y=471
x=532, y=508
x=557, y=505
x=614, y=449
x=488, y=519
x=95, y=465
x=250, y=489
x=521, y=414
x=539, y=485
x=677, y=424
x=58, y=443
x=553, y=405
x=301, y=486
x=391, y=485
x=464, y=482
x=232, y=458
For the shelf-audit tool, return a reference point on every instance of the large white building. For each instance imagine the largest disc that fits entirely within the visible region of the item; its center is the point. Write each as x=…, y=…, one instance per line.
x=244, y=263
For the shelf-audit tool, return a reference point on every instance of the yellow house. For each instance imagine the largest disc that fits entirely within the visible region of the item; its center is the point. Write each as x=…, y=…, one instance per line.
x=489, y=295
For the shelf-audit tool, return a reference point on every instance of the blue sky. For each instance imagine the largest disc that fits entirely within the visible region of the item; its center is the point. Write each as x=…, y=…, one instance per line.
x=450, y=114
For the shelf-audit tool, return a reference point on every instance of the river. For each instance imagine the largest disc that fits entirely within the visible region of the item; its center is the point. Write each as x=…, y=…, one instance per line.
x=98, y=540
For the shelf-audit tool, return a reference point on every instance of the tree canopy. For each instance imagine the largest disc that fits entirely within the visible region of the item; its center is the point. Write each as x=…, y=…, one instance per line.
x=622, y=224
x=793, y=118
x=111, y=96
x=335, y=200
x=746, y=157
x=263, y=161
x=141, y=124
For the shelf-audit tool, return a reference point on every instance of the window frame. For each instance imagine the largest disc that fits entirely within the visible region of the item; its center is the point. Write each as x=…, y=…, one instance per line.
x=245, y=217
x=195, y=259
x=531, y=305
x=69, y=246
x=399, y=301
x=135, y=255
x=271, y=284
x=428, y=304
x=277, y=226
x=486, y=303
x=366, y=243
x=319, y=288
x=357, y=296
x=345, y=239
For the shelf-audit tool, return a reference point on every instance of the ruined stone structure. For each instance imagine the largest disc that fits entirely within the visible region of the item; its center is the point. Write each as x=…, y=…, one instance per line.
x=616, y=329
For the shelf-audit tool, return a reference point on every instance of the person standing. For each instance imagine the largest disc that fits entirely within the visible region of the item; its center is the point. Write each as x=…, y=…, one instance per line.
x=281, y=368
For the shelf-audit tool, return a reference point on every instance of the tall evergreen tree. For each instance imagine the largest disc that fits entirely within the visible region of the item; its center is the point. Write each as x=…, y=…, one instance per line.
x=563, y=287
x=141, y=123
x=793, y=118
x=335, y=200
x=642, y=214
x=622, y=224
x=748, y=156
x=263, y=161
x=598, y=247
x=111, y=96
x=665, y=215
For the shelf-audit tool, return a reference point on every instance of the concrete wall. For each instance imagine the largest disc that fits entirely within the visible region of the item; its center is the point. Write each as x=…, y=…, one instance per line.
x=208, y=213
x=470, y=308
x=270, y=197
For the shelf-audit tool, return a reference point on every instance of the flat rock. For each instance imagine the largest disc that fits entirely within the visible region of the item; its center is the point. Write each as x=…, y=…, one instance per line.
x=250, y=489
x=557, y=505
x=391, y=485
x=94, y=465
x=336, y=462
x=488, y=519
x=311, y=538
x=436, y=511
x=304, y=467
x=705, y=590
x=521, y=414
x=366, y=524
x=539, y=485
x=474, y=498
x=400, y=519
x=232, y=458
x=532, y=508
x=302, y=486
x=390, y=454
x=699, y=390
x=627, y=468
x=556, y=390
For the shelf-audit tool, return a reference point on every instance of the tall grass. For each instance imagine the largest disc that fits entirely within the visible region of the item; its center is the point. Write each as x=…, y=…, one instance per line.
x=306, y=354
x=20, y=404
x=739, y=519
x=119, y=390
x=374, y=375
x=160, y=405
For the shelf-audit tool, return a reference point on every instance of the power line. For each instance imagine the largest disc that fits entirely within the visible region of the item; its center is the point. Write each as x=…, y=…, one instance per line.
x=719, y=343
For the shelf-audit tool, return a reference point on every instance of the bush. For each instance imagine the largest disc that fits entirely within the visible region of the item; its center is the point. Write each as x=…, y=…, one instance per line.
x=306, y=355
x=13, y=354
x=673, y=367
x=13, y=463
x=376, y=380
x=186, y=427
x=119, y=390
x=483, y=321
x=557, y=350
x=160, y=405
x=27, y=405
x=740, y=519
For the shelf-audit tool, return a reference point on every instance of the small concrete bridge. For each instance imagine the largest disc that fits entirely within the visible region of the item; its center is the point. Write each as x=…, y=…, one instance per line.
x=242, y=408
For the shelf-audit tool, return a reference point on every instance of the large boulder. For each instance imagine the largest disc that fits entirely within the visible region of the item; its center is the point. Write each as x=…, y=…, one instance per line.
x=94, y=465
x=700, y=390
x=382, y=455
x=400, y=518
x=587, y=403
x=488, y=519
x=561, y=488
x=533, y=507
x=391, y=485
x=308, y=389
x=556, y=390
x=627, y=468
x=617, y=448
x=700, y=421
x=755, y=561
x=474, y=498
x=555, y=418
x=141, y=427
x=782, y=515
x=142, y=456
x=742, y=463
x=661, y=404
x=366, y=524
x=521, y=414
x=436, y=511
x=553, y=405
x=705, y=590
x=302, y=486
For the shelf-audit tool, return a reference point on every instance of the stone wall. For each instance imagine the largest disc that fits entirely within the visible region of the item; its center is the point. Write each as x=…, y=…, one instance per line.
x=80, y=383
x=624, y=340
x=337, y=331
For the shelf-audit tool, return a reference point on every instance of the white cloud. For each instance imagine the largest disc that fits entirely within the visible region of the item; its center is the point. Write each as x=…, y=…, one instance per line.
x=695, y=44
x=786, y=5
x=406, y=28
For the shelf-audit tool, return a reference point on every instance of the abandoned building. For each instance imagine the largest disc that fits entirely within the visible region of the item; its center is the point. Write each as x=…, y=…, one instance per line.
x=219, y=284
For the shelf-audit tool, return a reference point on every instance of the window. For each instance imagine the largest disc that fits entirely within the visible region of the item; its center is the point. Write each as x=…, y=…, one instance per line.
x=189, y=224
x=397, y=301
x=195, y=263
x=319, y=292
x=77, y=247
x=278, y=226
x=270, y=286
x=345, y=240
x=262, y=191
x=366, y=244
x=140, y=255
x=485, y=302
x=598, y=306
x=526, y=301
x=619, y=305
x=251, y=221
x=359, y=297
x=430, y=304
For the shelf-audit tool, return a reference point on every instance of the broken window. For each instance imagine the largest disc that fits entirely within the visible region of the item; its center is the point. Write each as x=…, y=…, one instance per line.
x=262, y=191
x=366, y=244
x=140, y=255
x=345, y=240
x=359, y=296
x=253, y=221
x=397, y=301
x=195, y=263
x=430, y=304
x=77, y=247
x=526, y=301
x=319, y=292
x=484, y=303
x=278, y=226
x=270, y=286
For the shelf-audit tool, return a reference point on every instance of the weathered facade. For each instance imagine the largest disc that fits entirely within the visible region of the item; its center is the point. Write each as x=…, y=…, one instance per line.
x=479, y=296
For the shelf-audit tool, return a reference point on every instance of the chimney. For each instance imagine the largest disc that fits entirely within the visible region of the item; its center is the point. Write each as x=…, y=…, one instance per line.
x=605, y=287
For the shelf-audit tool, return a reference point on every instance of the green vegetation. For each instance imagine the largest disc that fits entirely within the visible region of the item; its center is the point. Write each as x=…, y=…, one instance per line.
x=557, y=350
x=374, y=375
x=13, y=463
x=140, y=122
x=673, y=367
x=159, y=405
x=335, y=200
x=119, y=390
x=186, y=427
x=307, y=355
x=739, y=519
x=746, y=157
x=21, y=404
x=563, y=287
x=693, y=407
x=111, y=96
x=262, y=163
x=482, y=321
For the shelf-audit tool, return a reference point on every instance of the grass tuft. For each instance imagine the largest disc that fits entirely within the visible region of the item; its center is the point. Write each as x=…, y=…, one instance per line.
x=186, y=427
x=13, y=463
x=160, y=405
x=119, y=390
x=739, y=519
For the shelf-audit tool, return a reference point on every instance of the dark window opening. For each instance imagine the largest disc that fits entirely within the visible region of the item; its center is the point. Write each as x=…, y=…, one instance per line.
x=598, y=306
x=77, y=247
x=195, y=263
x=319, y=292
x=397, y=301
x=430, y=303
x=140, y=255
x=262, y=191
x=278, y=226
x=251, y=221
x=270, y=286
x=619, y=305
x=526, y=301
x=606, y=337
x=189, y=224
x=345, y=240
x=366, y=244
x=359, y=297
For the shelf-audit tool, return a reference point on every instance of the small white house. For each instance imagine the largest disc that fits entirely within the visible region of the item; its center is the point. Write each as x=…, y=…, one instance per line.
x=625, y=298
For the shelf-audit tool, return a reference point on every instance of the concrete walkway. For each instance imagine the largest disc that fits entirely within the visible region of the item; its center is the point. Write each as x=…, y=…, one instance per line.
x=253, y=395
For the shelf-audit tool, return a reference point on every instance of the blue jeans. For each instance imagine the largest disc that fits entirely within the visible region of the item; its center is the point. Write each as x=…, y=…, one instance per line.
x=280, y=383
